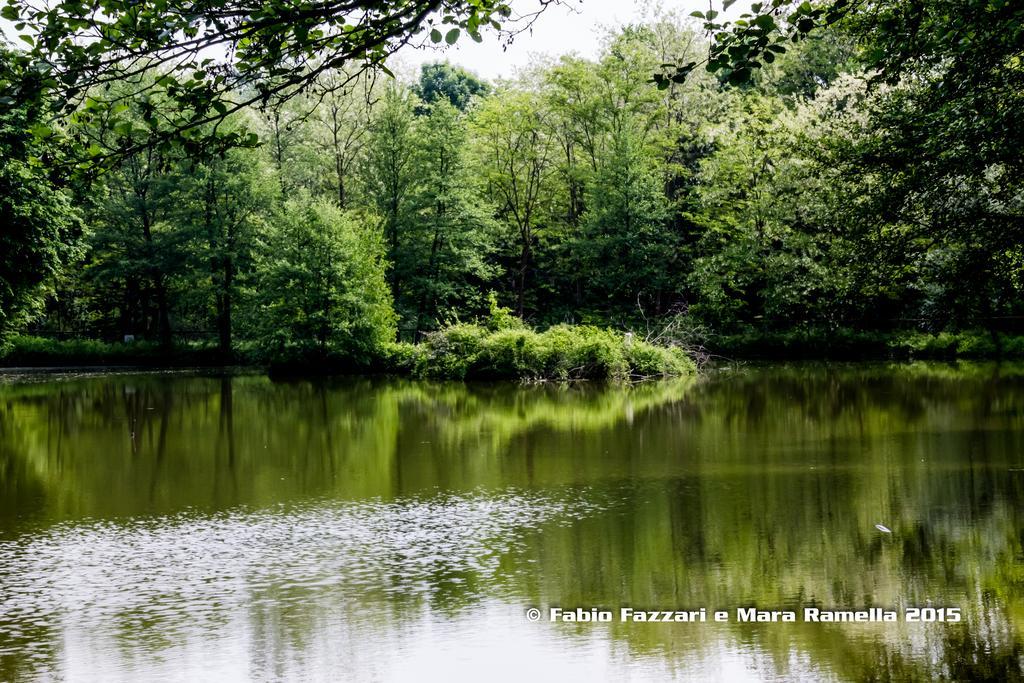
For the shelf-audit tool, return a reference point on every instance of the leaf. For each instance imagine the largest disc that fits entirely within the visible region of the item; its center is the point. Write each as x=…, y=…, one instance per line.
x=435, y=35
x=452, y=36
x=740, y=76
x=41, y=131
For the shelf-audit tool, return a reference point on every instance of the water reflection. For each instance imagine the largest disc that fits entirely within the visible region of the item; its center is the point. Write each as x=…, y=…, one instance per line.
x=231, y=528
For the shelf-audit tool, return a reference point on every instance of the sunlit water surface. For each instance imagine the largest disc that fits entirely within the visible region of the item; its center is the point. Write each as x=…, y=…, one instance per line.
x=169, y=527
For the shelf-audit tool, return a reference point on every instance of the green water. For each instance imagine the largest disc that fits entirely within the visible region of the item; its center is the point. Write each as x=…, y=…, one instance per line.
x=168, y=527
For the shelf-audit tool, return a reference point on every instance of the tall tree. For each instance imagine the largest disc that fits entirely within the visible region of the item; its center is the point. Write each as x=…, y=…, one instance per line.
x=453, y=231
x=40, y=224
x=343, y=120
x=220, y=202
x=133, y=242
x=628, y=252
x=516, y=153
x=390, y=175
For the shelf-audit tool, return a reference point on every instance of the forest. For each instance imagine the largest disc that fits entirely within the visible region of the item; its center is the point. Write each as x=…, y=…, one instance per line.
x=851, y=187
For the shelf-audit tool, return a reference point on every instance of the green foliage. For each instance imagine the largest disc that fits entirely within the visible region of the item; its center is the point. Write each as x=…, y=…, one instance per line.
x=40, y=226
x=848, y=344
x=623, y=242
x=500, y=318
x=440, y=234
x=278, y=51
x=218, y=207
x=504, y=348
x=760, y=258
x=809, y=197
x=809, y=65
x=513, y=152
x=442, y=81
x=29, y=351
x=447, y=257
x=318, y=289
x=390, y=174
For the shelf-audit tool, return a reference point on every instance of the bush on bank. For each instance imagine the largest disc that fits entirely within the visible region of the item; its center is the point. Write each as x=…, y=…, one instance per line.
x=503, y=347
x=466, y=351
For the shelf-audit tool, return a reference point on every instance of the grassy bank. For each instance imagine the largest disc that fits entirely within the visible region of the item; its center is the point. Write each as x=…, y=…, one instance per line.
x=461, y=351
x=856, y=345
x=499, y=346
x=502, y=347
x=29, y=351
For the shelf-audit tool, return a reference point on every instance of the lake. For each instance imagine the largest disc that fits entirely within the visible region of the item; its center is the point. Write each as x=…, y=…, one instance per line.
x=231, y=528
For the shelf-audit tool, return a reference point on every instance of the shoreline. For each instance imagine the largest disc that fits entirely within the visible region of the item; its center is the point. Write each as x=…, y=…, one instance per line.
x=35, y=354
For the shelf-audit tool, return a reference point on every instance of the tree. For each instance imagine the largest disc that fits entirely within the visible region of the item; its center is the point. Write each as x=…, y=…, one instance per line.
x=287, y=144
x=390, y=175
x=626, y=249
x=515, y=154
x=810, y=65
x=40, y=224
x=216, y=58
x=134, y=242
x=442, y=81
x=937, y=205
x=219, y=203
x=319, y=288
x=763, y=257
x=343, y=121
x=453, y=232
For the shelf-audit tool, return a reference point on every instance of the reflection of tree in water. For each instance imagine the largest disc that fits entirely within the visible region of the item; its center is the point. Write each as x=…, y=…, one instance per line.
x=959, y=654
x=760, y=488
x=922, y=456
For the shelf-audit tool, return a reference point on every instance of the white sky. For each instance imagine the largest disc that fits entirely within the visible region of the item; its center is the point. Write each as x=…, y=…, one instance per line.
x=577, y=28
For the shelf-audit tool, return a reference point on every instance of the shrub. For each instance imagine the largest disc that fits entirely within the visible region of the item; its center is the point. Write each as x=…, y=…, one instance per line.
x=504, y=348
x=647, y=360
x=399, y=357
x=584, y=352
x=449, y=353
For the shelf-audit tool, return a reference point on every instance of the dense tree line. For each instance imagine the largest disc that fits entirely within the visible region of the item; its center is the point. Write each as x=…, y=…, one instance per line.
x=823, y=190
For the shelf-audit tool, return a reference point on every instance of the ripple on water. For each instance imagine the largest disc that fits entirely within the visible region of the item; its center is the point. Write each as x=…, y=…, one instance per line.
x=183, y=576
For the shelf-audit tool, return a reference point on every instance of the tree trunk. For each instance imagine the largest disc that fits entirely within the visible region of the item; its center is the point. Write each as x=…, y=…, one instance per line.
x=524, y=264
x=159, y=286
